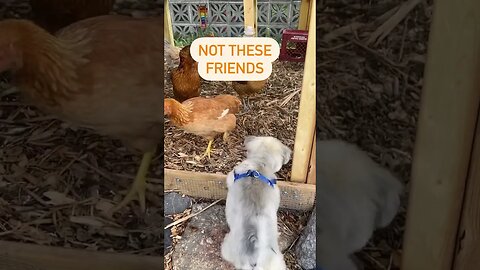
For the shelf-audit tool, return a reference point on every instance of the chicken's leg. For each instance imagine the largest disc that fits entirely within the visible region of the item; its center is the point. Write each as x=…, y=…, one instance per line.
x=139, y=184
x=225, y=136
x=209, y=149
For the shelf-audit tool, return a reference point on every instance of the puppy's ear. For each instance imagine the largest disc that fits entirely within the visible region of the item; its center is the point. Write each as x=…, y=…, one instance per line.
x=286, y=154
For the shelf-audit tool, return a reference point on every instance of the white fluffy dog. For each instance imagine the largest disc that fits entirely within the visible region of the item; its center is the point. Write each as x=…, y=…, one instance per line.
x=355, y=197
x=252, y=204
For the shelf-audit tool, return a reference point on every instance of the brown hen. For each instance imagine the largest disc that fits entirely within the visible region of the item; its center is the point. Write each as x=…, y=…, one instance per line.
x=205, y=117
x=100, y=73
x=248, y=88
x=185, y=78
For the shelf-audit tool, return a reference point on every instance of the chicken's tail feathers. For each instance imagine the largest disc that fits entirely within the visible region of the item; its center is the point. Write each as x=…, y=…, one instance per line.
x=389, y=191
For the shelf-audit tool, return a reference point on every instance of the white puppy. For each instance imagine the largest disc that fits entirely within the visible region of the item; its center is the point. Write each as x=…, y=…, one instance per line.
x=252, y=205
x=355, y=197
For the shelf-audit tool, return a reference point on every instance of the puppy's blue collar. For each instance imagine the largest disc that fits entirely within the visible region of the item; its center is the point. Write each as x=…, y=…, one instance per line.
x=254, y=174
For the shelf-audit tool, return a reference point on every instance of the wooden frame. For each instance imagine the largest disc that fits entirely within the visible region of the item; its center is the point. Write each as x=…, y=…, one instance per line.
x=299, y=193
x=20, y=256
x=306, y=113
x=468, y=236
x=311, y=173
x=213, y=186
x=167, y=28
x=250, y=14
x=448, y=116
x=304, y=17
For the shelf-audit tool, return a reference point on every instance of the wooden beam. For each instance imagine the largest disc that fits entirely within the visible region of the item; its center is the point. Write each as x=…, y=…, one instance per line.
x=250, y=14
x=312, y=169
x=213, y=186
x=20, y=256
x=303, y=18
x=446, y=125
x=468, y=237
x=167, y=25
x=307, y=111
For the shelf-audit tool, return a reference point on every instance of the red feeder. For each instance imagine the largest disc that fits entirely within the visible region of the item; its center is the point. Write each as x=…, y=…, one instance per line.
x=294, y=45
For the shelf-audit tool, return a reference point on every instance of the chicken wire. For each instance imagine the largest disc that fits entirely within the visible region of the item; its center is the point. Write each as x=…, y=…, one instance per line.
x=225, y=18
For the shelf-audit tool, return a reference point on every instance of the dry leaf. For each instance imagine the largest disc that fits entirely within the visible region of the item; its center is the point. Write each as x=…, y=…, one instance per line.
x=103, y=206
x=31, y=179
x=39, y=135
x=40, y=237
x=57, y=198
x=115, y=231
x=87, y=220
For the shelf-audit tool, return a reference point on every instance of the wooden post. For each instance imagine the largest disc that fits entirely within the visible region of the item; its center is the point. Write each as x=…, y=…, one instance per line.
x=303, y=18
x=307, y=110
x=468, y=237
x=446, y=126
x=167, y=25
x=250, y=14
x=213, y=186
x=20, y=256
x=312, y=168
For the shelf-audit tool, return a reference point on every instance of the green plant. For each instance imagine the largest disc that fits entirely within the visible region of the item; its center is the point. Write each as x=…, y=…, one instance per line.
x=269, y=33
x=182, y=41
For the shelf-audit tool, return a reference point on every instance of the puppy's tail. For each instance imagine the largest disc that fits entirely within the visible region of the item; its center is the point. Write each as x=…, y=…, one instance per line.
x=250, y=237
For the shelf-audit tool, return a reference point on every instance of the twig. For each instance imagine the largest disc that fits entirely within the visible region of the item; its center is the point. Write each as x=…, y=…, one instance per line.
x=334, y=48
x=66, y=167
x=36, y=197
x=342, y=31
x=48, y=155
x=97, y=170
x=384, y=30
x=5, y=233
x=131, y=177
x=289, y=97
x=382, y=57
x=390, y=262
x=373, y=260
x=387, y=15
x=191, y=215
x=293, y=243
x=402, y=46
